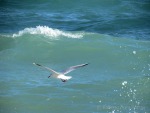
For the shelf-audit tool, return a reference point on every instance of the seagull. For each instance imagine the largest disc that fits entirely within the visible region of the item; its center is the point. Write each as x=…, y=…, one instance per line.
x=61, y=75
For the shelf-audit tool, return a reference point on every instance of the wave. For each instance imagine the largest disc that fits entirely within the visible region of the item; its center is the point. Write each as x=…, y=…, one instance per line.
x=45, y=30
x=104, y=52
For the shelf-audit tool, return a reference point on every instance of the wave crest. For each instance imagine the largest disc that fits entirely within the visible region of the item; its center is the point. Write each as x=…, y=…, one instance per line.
x=45, y=30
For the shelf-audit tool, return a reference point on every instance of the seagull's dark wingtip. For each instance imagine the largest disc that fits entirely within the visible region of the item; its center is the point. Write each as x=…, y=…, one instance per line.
x=37, y=64
x=87, y=63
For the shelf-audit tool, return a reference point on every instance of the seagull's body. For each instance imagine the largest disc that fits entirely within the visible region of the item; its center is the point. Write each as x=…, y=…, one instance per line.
x=61, y=75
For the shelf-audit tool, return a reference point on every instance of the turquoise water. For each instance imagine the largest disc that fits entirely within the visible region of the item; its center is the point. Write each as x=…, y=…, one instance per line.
x=112, y=38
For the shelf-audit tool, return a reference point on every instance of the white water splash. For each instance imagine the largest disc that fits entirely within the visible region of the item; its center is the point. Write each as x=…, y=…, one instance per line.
x=124, y=83
x=134, y=52
x=45, y=30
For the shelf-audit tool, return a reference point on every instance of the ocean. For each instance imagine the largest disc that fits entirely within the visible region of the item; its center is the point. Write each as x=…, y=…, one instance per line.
x=113, y=36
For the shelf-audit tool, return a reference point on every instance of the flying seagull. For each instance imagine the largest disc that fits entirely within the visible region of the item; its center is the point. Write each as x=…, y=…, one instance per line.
x=61, y=75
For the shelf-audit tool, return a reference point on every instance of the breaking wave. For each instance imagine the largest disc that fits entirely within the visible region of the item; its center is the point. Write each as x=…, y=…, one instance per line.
x=45, y=30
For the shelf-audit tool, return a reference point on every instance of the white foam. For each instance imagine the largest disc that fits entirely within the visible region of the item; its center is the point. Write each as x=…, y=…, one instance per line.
x=134, y=52
x=45, y=30
x=124, y=83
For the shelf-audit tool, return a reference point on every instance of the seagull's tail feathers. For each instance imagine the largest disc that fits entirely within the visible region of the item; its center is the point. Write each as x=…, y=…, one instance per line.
x=64, y=78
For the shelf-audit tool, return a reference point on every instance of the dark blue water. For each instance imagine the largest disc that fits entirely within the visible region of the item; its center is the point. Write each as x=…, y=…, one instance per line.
x=114, y=17
x=111, y=35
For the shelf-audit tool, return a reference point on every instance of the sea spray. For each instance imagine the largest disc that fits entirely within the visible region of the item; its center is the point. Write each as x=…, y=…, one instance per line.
x=45, y=30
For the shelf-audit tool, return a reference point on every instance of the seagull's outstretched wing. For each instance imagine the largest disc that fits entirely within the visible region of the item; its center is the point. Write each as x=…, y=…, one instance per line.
x=46, y=68
x=73, y=68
